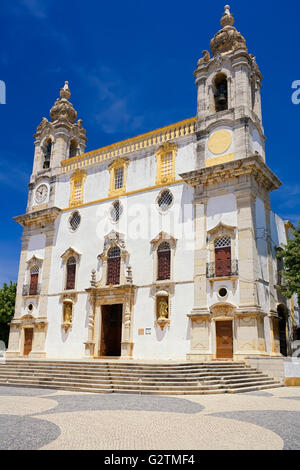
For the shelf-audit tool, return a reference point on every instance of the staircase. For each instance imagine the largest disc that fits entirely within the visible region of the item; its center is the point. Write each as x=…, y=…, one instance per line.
x=187, y=378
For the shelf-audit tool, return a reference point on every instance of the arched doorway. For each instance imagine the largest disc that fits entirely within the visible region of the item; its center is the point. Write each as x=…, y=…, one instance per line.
x=283, y=329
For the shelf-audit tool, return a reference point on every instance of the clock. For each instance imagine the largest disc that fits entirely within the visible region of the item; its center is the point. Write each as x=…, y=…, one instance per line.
x=41, y=193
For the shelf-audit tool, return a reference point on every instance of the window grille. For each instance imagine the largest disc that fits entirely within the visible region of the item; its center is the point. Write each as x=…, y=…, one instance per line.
x=75, y=221
x=223, y=242
x=119, y=178
x=164, y=262
x=165, y=200
x=78, y=190
x=116, y=211
x=167, y=164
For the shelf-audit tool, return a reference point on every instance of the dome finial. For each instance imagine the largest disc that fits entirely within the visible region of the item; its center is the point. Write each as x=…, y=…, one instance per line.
x=63, y=109
x=227, y=18
x=65, y=91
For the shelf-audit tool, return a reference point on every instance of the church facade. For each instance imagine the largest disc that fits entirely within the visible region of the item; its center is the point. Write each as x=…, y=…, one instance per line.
x=163, y=246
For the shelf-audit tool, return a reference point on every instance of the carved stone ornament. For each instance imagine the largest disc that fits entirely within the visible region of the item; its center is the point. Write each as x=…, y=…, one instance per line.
x=227, y=39
x=114, y=239
x=205, y=59
x=223, y=310
x=63, y=110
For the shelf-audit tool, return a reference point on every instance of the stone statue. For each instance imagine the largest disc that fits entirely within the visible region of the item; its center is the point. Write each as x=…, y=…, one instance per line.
x=163, y=313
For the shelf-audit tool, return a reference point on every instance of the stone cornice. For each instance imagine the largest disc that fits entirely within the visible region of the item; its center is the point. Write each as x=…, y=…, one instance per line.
x=38, y=218
x=253, y=166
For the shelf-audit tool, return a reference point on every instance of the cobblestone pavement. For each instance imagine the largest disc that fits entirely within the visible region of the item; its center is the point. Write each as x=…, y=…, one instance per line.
x=46, y=419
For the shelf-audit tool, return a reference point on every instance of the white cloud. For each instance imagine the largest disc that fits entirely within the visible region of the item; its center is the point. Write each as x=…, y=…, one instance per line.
x=113, y=101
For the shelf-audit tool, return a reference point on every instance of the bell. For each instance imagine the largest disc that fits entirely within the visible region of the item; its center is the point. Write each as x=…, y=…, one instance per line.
x=221, y=97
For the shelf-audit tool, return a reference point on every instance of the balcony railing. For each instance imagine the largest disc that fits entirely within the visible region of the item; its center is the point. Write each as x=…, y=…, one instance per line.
x=222, y=269
x=31, y=291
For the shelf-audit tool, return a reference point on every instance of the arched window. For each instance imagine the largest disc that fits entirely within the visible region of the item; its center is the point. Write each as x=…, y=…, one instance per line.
x=163, y=262
x=113, y=266
x=71, y=273
x=73, y=148
x=221, y=93
x=223, y=256
x=34, y=279
x=47, y=154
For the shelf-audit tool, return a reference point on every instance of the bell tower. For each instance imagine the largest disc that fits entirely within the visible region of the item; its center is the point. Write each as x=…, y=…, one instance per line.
x=229, y=125
x=60, y=138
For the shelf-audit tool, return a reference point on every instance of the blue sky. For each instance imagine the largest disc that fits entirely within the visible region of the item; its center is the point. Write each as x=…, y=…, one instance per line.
x=130, y=67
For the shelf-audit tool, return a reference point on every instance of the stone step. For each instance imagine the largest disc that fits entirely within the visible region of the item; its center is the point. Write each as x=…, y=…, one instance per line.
x=119, y=366
x=154, y=377
x=138, y=378
x=196, y=372
x=129, y=382
x=144, y=380
x=136, y=386
x=251, y=388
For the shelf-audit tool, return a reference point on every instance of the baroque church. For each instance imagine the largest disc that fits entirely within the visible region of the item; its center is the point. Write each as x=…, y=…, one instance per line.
x=162, y=246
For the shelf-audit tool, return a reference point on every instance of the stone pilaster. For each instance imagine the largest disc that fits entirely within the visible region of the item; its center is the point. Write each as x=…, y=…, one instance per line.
x=21, y=275
x=271, y=255
x=200, y=257
x=45, y=281
x=247, y=254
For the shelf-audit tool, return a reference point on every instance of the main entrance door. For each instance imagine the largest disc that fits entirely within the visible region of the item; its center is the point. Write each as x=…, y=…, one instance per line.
x=28, y=337
x=111, y=331
x=224, y=332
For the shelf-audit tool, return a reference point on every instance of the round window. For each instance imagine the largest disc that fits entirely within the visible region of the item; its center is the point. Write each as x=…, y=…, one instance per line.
x=223, y=292
x=116, y=211
x=165, y=200
x=30, y=307
x=74, y=221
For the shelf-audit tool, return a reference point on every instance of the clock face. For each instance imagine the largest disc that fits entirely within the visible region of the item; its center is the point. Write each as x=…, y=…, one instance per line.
x=41, y=193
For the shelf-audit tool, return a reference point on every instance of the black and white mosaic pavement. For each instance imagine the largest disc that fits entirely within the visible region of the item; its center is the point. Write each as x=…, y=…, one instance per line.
x=32, y=418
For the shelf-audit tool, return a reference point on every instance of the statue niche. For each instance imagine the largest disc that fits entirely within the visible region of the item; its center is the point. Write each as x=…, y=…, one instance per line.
x=162, y=311
x=67, y=315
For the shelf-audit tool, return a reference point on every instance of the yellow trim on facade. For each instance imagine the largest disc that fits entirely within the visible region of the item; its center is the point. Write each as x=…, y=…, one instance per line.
x=166, y=149
x=219, y=160
x=130, y=193
x=78, y=178
x=126, y=147
x=116, y=165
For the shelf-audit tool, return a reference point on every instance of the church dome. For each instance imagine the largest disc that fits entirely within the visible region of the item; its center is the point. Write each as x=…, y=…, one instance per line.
x=228, y=38
x=63, y=110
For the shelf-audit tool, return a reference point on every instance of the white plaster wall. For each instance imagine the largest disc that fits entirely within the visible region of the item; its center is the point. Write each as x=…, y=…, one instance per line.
x=70, y=345
x=171, y=343
x=141, y=173
x=140, y=223
x=222, y=209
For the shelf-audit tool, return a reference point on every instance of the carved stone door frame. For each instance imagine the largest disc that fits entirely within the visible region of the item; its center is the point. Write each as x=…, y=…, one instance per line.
x=124, y=295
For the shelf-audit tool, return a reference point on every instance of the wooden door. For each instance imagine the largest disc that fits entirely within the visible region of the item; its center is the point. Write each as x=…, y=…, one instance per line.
x=28, y=337
x=111, y=331
x=224, y=332
x=33, y=284
x=223, y=261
